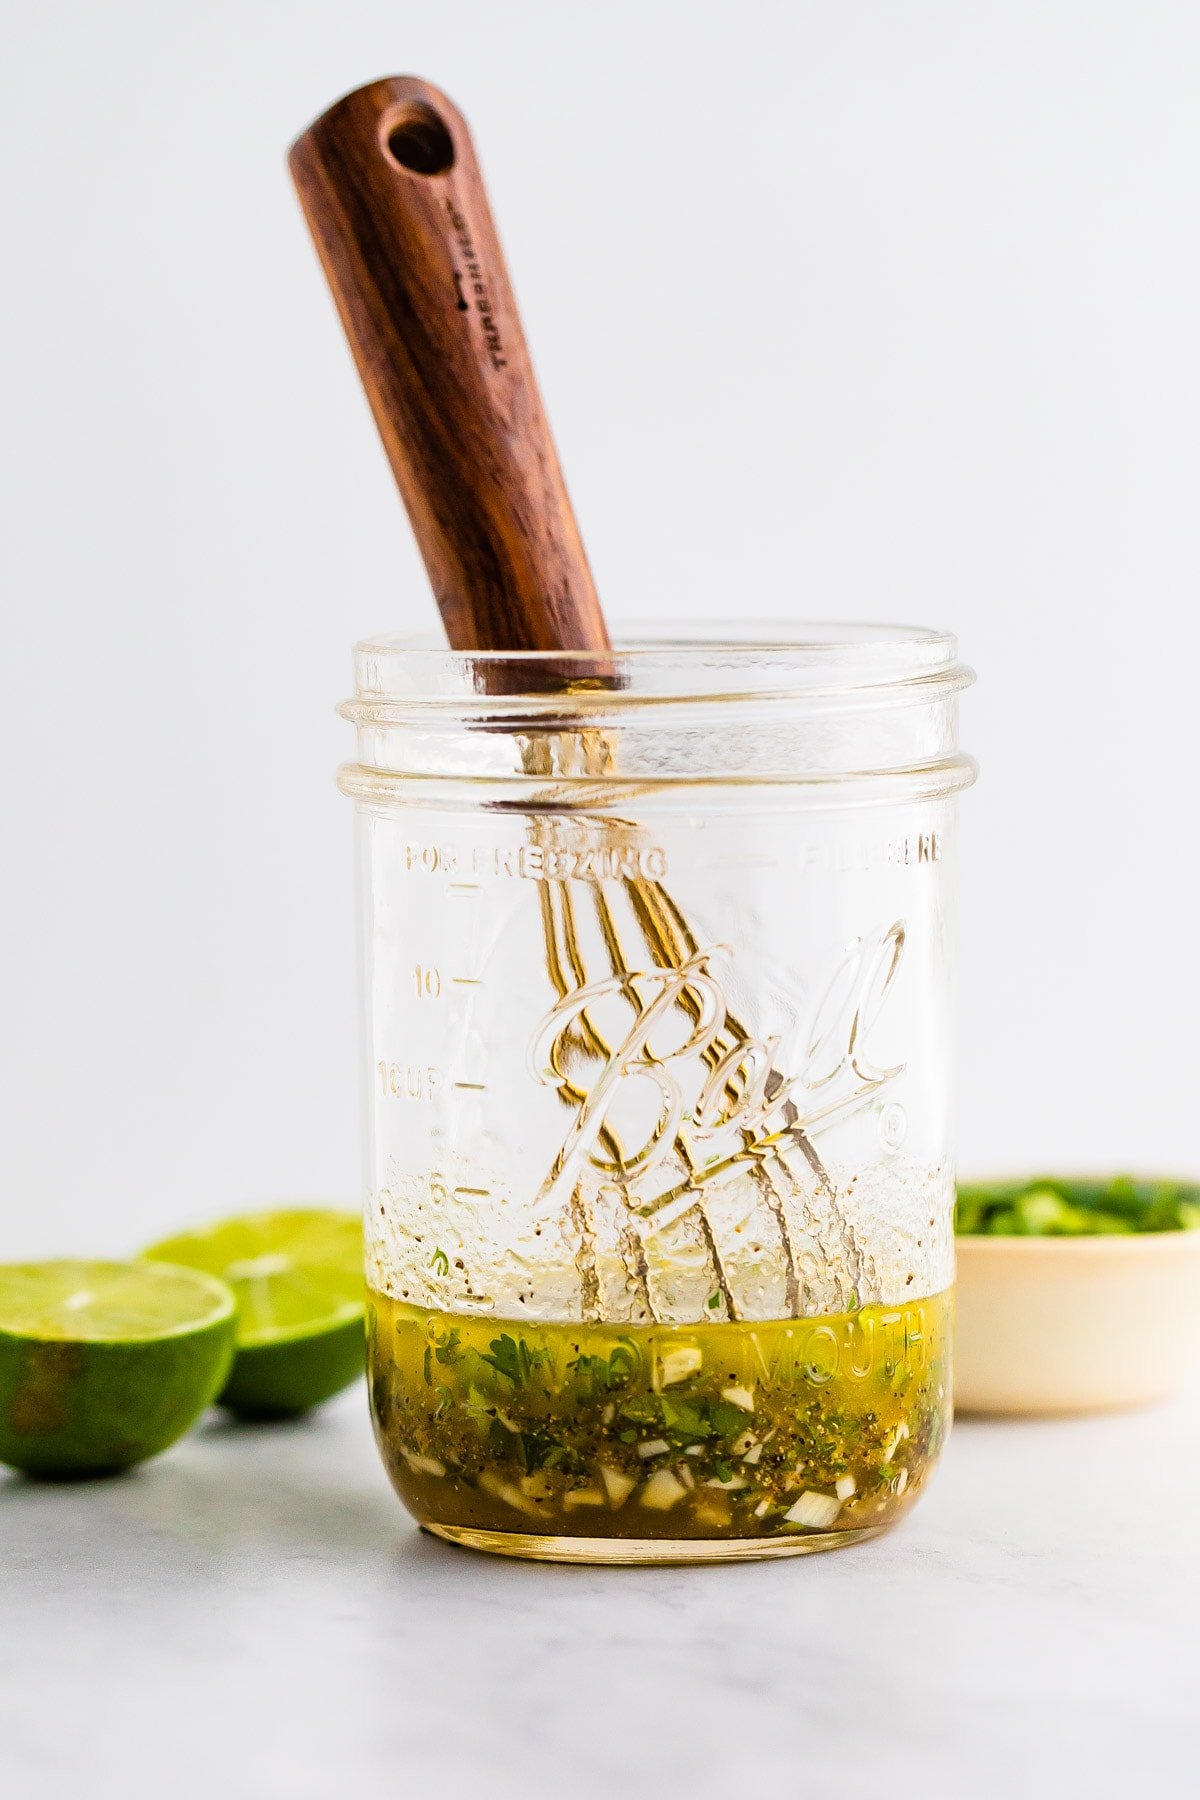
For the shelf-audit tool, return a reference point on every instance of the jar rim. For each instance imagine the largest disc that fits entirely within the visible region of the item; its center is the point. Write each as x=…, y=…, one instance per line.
x=838, y=704
x=648, y=666
x=757, y=638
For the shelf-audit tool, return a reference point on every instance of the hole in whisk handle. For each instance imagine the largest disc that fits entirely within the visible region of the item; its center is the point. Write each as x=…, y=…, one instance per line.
x=417, y=139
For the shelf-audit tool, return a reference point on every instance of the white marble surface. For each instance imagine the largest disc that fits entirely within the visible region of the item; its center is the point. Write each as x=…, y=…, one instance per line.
x=254, y=1616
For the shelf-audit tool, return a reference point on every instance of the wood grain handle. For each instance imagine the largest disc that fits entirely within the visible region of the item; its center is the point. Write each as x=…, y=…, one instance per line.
x=393, y=196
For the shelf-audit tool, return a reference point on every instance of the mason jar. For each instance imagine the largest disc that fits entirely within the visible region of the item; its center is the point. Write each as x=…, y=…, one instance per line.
x=658, y=1065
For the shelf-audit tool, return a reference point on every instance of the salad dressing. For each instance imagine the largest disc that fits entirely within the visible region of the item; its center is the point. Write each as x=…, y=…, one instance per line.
x=779, y=1429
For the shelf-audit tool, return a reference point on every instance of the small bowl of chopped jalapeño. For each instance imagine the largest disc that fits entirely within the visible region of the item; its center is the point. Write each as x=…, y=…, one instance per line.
x=1075, y=1294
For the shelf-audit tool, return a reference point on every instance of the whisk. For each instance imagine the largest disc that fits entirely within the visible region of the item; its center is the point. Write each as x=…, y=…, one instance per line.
x=393, y=196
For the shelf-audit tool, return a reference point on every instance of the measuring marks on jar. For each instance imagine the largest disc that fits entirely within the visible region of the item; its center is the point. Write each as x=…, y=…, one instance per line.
x=421, y=1081
x=431, y=1068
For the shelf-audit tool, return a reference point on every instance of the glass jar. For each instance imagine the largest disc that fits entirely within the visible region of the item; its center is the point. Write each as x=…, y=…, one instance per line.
x=659, y=1223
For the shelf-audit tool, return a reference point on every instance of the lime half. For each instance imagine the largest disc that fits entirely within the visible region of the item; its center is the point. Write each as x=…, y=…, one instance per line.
x=104, y=1364
x=297, y=1276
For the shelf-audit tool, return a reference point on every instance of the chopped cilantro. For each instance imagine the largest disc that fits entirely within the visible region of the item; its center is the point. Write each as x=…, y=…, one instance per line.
x=446, y=1347
x=513, y=1358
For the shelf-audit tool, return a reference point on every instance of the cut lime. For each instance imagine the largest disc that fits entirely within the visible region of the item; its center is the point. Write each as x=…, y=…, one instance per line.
x=298, y=1279
x=103, y=1364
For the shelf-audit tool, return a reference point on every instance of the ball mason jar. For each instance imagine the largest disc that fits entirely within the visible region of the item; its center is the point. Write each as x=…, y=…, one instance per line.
x=657, y=1017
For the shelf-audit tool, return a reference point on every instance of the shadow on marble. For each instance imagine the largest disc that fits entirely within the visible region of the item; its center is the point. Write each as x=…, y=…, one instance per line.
x=305, y=1487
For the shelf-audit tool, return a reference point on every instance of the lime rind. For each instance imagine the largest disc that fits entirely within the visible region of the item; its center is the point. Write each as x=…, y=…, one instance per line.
x=103, y=1365
x=282, y=1379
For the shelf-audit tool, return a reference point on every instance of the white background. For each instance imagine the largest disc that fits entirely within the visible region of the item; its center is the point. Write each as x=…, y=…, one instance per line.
x=880, y=310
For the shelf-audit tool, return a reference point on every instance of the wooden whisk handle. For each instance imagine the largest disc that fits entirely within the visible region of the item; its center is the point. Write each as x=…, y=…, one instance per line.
x=393, y=196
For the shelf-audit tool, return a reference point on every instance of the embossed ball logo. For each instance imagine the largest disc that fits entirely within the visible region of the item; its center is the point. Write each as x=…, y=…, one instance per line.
x=716, y=1093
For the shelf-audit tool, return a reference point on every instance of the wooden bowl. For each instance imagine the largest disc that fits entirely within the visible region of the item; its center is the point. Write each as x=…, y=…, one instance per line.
x=1075, y=1324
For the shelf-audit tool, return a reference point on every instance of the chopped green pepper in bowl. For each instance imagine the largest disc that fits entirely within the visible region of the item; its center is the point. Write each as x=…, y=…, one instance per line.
x=1075, y=1294
x=1054, y=1207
